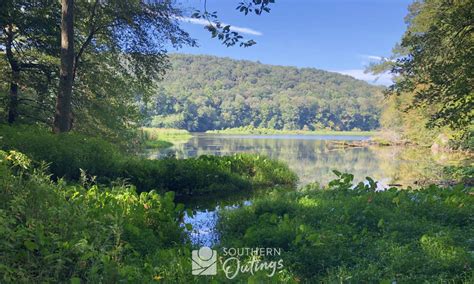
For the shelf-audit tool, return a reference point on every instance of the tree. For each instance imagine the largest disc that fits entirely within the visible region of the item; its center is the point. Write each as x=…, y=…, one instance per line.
x=28, y=40
x=63, y=115
x=102, y=41
x=435, y=61
x=280, y=97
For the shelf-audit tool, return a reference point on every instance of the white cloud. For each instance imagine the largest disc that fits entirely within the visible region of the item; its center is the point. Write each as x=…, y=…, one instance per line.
x=375, y=58
x=204, y=22
x=379, y=79
x=371, y=57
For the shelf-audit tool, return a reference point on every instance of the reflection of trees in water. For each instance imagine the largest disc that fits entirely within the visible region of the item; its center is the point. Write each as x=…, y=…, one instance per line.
x=409, y=164
x=314, y=160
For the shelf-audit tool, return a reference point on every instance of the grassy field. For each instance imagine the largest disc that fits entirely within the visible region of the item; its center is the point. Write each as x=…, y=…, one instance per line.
x=267, y=131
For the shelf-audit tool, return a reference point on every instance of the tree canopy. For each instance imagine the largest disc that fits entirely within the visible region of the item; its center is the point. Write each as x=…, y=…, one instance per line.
x=204, y=92
x=433, y=91
x=435, y=61
x=117, y=51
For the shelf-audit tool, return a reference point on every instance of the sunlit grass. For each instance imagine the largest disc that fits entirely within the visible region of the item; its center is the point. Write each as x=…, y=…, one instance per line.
x=164, y=137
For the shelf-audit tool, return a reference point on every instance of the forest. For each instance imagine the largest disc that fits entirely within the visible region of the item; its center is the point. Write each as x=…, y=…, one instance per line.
x=86, y=199
x=232, y=94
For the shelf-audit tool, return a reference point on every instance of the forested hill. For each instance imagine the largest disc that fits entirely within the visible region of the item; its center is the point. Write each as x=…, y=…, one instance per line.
x=200, y=93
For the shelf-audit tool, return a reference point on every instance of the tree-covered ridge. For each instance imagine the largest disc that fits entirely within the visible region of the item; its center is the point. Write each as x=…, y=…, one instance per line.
x=205, y=92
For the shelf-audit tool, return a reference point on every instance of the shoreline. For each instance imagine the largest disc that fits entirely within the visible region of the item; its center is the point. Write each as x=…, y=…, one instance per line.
x=256, y=131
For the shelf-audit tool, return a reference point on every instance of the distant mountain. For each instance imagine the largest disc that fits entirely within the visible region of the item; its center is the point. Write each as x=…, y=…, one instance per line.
x=205, y=92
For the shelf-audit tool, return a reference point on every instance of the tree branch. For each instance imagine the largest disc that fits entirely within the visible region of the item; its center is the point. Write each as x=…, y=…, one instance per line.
x=90, y=36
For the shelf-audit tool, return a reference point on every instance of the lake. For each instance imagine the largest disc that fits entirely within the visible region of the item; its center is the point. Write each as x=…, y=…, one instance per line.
x=313, y=158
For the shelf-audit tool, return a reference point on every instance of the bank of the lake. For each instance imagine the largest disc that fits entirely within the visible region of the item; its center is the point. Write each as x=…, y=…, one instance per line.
x=112, y=217
x=248, y=130
x=162, y=138
x=314, y=157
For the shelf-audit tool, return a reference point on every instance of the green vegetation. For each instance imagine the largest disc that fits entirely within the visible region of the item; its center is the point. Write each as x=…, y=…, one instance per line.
x=348, y=234
x=60, y=232
x=79, y=78
x=267, y=131
x=433, y=93
x=165, y=134
x=110, y=52
x=158, y=144
x=68, y=154
x=241, y=93
x=161, y=138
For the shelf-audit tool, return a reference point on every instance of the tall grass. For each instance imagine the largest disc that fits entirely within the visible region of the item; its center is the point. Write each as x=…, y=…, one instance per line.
x=165, y=134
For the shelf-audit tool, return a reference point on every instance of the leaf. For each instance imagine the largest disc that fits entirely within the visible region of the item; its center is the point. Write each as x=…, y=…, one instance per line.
x=30, y=245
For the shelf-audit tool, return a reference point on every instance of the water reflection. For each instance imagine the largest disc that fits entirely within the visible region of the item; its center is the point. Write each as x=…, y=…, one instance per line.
x=314, y=158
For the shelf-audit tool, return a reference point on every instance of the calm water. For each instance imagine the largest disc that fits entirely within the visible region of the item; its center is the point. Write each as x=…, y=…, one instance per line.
x=313, y=158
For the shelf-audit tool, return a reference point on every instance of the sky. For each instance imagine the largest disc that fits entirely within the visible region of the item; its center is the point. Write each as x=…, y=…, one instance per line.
x=342, y=36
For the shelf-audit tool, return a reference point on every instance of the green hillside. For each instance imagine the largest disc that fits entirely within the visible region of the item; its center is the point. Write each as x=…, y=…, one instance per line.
x=202, y=93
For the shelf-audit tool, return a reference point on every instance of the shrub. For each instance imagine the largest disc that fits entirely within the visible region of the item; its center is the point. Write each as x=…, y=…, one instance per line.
x=207, y=174
x=68, y=153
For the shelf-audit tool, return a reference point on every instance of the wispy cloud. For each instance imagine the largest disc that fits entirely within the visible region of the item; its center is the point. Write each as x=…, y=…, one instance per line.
x=204, y=22
x=379, y=79
x=375, y=57
x=371, y=57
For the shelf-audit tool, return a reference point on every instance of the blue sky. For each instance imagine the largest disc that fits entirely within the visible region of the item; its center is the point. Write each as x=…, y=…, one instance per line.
x=335, y=35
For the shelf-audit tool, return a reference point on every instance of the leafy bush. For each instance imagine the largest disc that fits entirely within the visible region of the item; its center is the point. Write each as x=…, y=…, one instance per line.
x=54, y=232
x=347, y=233
x=69, y=153
x=205, y=174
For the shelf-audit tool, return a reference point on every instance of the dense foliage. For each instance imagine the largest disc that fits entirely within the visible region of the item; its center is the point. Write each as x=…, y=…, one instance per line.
x=54, y=232
x=58, y=231
x=355, y=234
x=269, y=131
x=118, y=55
x=70, y=154
x=111, y=52
x=203, y=92
x=434, y=64
x=439, y=65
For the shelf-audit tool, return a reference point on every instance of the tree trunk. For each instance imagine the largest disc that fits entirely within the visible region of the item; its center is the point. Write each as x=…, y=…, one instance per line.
x=63, y=115
x=15, y=68
x=13, y=98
